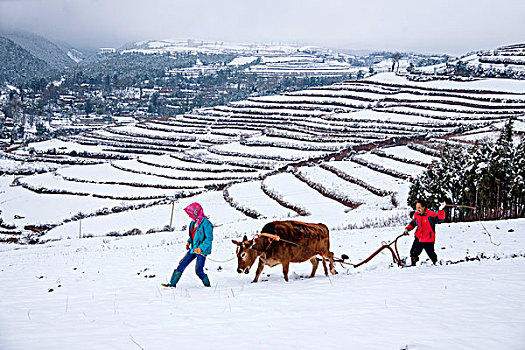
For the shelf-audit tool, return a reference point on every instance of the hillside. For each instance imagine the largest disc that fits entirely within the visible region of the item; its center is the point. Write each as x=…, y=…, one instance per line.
x=18, y=63
x=43, y=49
x=25, y=56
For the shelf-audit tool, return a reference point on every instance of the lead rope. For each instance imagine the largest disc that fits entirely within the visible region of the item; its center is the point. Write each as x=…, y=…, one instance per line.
x=220, y=261
x=488, y=233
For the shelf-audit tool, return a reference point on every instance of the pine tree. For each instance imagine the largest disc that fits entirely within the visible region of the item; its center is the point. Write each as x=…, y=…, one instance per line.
x=478, y=181
x=518, y=180
x=444, y=180
x=501, y=169
x=427, y=186
x=454, y=161
x=415, y=193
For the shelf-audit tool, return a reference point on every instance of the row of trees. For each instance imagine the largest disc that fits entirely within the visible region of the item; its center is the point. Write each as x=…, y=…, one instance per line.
x=489, y=176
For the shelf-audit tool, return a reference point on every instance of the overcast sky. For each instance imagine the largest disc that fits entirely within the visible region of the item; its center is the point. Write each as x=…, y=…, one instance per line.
x=438, y=26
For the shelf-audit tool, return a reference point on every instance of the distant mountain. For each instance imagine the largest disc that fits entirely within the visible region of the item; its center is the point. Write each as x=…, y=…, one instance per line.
x=49, y=52
x=17, y=63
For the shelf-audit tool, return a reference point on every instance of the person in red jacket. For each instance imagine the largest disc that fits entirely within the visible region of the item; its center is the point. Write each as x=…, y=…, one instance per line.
x=425, y=220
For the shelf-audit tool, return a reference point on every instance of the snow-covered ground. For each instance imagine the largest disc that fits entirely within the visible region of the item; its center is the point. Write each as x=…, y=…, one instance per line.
x=387, y=163
x=104, y=293
x=374, y=178
x=249, y=195
x=22, y=207
x=403, y=152
x=239, y=61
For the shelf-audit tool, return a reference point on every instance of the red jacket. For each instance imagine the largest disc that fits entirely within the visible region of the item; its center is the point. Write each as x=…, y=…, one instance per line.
x=426, y=225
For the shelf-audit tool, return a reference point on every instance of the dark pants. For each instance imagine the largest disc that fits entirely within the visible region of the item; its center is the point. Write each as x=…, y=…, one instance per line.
x=417, y=248
x=199, y=267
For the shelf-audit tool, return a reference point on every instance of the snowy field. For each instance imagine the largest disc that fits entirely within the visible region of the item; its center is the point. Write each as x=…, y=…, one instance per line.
x=102, y=291
x=105, y=293
x=250, y=195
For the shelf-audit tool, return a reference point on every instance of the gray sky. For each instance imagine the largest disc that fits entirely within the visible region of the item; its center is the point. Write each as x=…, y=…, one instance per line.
x=438, y=26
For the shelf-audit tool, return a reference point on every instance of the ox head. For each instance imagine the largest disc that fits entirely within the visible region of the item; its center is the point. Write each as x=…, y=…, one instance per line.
x=246, y=254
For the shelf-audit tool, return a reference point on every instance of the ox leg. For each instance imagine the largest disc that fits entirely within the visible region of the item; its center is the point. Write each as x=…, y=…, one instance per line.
x=259, y=270
x=315, y=263
x=324, y=266
x=332, y=268
x=286, y=267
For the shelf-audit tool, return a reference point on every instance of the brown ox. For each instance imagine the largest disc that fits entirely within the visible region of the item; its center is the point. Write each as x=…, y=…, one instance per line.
x=308, y=240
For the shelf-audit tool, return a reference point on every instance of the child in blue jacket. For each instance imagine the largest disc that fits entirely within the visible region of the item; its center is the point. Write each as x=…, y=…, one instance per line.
x=198, y=245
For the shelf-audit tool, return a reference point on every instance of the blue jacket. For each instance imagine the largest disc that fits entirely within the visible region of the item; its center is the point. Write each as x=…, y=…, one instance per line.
x=203, y=236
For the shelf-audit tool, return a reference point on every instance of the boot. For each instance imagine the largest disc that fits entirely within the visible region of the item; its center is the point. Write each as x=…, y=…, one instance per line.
x=206, y=281
x=174, y=279
x=414, y=260
x=434, y=259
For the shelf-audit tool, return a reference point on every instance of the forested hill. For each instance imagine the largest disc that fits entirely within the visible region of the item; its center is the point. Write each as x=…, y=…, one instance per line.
x=40, y=47
x=25, y=56
x=18, y=63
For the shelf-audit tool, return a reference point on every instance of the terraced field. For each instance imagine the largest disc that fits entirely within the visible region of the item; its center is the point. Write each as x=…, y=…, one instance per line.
x=300, y=65
x=506, y=61
x=351, y=148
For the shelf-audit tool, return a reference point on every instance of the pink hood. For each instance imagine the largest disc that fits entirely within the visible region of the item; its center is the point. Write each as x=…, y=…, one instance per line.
x=194, y=210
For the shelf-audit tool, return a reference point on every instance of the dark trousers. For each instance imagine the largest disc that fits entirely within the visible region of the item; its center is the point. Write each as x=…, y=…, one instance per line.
x=188, y=258
x=417, y=248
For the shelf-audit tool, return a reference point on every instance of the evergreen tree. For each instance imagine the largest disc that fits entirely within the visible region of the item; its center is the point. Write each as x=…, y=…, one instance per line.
x=443, y=180
x=41, y=130
x=415, y=193
x=427, y=186
x=501, y=169
x=452, y=177
x=478, y=180
x=518, y=180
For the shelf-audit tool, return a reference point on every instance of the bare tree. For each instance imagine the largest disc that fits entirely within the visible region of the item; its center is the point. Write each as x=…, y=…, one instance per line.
x=396, y=56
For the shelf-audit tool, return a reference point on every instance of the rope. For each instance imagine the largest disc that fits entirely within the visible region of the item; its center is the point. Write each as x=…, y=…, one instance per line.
x=461, y=206
x=220, y=261
x=479, y=219
x=488, y=233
